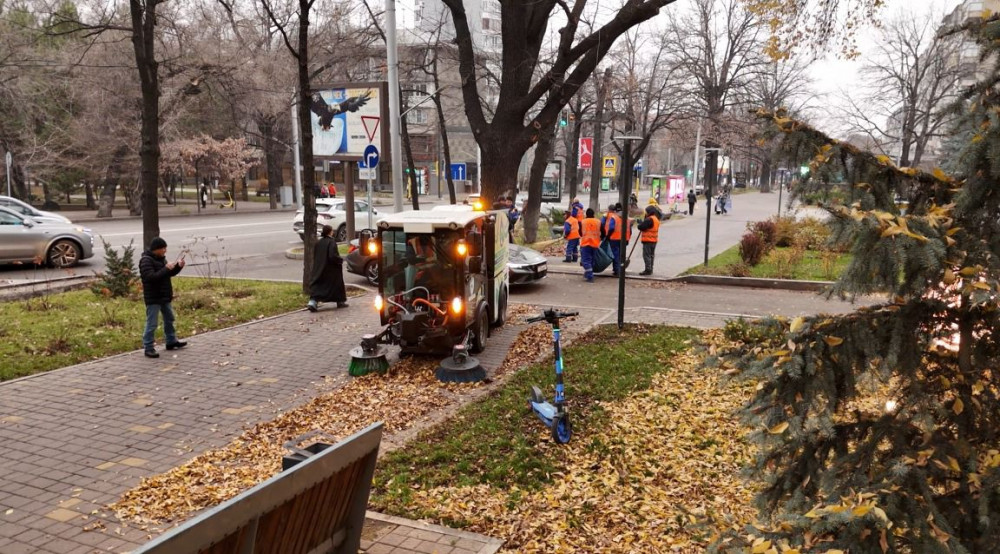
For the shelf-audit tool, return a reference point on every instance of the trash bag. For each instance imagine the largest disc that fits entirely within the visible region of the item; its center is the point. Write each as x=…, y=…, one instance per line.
x=602, y=257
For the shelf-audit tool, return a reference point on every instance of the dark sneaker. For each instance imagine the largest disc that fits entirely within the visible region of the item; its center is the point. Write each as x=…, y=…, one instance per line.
x=176, y=345
x=312, y=306
x=341, y=304
x=567, y=261
x=152, y=354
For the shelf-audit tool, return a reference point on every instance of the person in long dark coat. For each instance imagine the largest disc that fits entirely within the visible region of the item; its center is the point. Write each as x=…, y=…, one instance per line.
x=327, y=283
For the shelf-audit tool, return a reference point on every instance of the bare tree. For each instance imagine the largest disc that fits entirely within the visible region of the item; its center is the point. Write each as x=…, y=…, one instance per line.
x=522, y=90
x=646, y=98
x=912, y=77
x=720, y=52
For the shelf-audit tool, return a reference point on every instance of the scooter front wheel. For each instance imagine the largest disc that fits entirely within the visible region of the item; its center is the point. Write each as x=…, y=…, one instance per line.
x=562, y=430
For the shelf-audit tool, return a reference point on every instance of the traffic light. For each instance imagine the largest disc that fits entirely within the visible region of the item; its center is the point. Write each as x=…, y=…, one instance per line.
x=562, y=119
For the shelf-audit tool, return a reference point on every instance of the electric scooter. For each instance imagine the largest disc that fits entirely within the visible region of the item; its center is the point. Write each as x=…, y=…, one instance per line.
x=554, y=416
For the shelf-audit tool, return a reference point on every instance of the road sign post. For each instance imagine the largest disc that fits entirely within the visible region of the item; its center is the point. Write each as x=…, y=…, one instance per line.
x=370, y=162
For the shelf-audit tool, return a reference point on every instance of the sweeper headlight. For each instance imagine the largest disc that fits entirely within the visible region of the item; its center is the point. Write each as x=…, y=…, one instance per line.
x=372, y=248
x=462, y=248
x=379, y=303
x=478, y=205
x=457, y=305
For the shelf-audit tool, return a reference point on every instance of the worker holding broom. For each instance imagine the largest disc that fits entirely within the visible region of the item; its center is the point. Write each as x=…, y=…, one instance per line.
x=650, y=235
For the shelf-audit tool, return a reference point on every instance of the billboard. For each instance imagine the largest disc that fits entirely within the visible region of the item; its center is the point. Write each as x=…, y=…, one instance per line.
x=586, y=152
x=552, y=182
x=346, y=119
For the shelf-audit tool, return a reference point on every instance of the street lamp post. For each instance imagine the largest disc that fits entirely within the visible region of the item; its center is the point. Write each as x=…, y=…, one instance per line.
x=711, y=174
x=624, y=203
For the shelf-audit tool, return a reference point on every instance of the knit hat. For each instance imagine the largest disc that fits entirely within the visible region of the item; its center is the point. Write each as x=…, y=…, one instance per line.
x=157, y=244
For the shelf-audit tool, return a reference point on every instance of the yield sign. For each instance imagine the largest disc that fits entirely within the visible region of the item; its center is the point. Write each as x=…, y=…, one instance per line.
x=371, y=126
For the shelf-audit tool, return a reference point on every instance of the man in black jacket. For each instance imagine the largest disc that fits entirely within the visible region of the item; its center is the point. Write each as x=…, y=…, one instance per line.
x=158, y=292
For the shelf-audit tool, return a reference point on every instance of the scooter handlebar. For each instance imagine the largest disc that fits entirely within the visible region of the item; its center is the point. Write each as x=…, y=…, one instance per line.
x=551, y=315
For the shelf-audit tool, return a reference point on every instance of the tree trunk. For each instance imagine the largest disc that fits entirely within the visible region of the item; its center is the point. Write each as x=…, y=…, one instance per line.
x=411, y=174
x=500, y=162
x=573, y=159
x=443, y=130
x=143, y=42
x=273, y=156
x=111, y=178
x=531, y=208
x=88, y=188
x=765, y=173
x=19, y=185
x=596, y=168
x=306, y=145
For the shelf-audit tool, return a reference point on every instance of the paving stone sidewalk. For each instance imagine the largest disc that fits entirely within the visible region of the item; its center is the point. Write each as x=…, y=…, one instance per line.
x=74, y=439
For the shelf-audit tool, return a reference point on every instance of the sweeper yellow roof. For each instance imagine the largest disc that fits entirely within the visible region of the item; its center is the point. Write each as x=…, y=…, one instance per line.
x=425, y=221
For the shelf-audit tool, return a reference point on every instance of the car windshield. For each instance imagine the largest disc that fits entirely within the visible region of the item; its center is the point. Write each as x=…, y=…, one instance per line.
x=419, y=260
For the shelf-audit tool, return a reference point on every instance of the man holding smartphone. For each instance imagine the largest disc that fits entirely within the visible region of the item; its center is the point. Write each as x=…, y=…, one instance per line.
x=158, y=292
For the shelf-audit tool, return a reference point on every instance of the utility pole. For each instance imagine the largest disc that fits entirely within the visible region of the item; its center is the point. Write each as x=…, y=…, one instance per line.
x=395, y=144
x=711, y=165
x=297, y=170
x=623, y=201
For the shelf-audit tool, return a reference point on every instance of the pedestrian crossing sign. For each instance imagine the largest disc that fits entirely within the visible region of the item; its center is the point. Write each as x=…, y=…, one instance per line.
x=610, y=166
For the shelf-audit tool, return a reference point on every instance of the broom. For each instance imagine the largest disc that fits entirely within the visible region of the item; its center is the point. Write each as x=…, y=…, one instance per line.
x=370, y=357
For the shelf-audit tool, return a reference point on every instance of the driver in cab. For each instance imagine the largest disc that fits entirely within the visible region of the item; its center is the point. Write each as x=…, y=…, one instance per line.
x=421, y=256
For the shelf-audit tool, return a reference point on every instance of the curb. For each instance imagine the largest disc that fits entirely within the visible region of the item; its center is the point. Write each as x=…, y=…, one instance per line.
x=291, y=254
x=94, y=218
x=492, y=544
x=754, y=282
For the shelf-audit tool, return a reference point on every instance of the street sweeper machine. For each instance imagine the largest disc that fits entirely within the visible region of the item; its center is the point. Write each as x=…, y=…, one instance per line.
x=443, y=284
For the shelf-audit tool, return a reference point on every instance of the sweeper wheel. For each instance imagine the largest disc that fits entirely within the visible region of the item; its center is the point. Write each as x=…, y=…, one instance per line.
x=460, y=368
x=365, y=361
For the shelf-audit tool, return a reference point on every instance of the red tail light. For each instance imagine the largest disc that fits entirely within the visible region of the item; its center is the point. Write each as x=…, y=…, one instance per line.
x=352, y=249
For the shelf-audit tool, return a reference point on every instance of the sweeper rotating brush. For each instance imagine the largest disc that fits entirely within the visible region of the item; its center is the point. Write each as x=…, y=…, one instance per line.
x=460, y=367
x=368, y=358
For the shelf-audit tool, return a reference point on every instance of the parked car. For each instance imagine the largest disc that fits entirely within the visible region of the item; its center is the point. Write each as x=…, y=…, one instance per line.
x=24, y=239
x=34, y=213
x=525, y=265
x=331, y=211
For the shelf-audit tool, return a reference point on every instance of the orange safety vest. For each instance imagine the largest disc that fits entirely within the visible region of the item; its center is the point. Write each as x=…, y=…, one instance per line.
x=617, y=233
x=653, y=233
x=574, y=228
x=591, y=232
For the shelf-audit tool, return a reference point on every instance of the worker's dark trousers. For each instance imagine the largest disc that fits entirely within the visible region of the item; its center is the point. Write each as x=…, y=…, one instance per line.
x=648, y=248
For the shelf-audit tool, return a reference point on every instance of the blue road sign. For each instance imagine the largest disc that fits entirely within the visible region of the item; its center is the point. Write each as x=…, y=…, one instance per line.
x=370, y=158
x=638, y=165
x=458, y=172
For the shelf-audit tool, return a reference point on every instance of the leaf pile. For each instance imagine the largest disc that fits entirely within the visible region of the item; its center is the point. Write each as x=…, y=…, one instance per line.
x=661, y=473
x=401, y=398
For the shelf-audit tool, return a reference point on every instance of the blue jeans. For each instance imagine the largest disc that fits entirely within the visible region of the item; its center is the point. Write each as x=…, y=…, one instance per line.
x=571, y=246
x=587, y=257
x=152, y=316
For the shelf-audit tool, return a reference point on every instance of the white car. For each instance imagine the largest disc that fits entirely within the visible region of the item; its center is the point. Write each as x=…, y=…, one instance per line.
x=332, y=212
x=34, y=213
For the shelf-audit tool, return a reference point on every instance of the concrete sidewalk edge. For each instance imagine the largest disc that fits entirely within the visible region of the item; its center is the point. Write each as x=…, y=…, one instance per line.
x=492, y=544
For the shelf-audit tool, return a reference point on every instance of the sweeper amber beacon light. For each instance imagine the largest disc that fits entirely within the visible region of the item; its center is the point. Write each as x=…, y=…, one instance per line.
x=379, y=303
x=372, y=248
x=477, y=205
x=456, y=305
x=462, y=248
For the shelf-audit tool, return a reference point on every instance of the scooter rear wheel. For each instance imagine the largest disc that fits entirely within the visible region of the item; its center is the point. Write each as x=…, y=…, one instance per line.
x=562, y=430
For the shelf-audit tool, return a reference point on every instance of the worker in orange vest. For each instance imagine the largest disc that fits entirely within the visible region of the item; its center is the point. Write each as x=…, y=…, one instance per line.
x=650, y=228
x=611, y=228
x=590, y=241
x=571, y=232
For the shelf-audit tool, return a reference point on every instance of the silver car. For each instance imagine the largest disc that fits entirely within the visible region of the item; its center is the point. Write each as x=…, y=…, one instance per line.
x=24, y=208
x=23, y=239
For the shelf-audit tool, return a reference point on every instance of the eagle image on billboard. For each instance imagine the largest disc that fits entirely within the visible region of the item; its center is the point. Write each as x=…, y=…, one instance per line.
x=337, y=125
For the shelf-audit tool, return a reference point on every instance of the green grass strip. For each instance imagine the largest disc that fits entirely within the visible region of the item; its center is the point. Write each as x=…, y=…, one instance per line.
x=499, y=441
x=62, y=329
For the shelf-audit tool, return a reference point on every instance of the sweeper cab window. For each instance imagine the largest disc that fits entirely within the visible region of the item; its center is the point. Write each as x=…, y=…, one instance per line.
x=414, y=260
